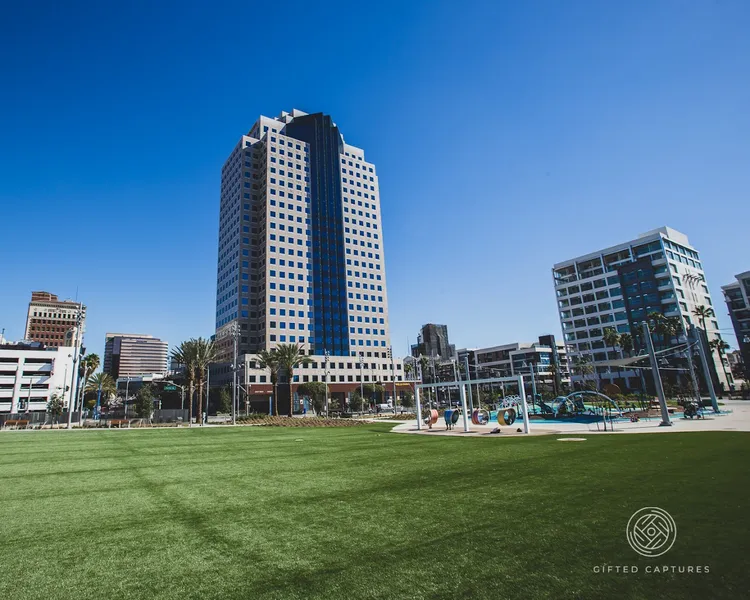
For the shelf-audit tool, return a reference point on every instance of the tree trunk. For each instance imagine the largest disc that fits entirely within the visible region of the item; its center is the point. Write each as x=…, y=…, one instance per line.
x=275, y=401
x=192, y=389
x=200, y=403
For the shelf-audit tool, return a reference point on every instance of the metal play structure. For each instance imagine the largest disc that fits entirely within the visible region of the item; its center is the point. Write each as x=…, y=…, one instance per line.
x=461, y=385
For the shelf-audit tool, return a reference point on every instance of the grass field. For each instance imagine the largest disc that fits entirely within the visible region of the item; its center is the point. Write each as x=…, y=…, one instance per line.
x=363, y=513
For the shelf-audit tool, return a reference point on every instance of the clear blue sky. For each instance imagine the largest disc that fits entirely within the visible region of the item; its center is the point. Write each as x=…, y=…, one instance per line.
x=507, y=135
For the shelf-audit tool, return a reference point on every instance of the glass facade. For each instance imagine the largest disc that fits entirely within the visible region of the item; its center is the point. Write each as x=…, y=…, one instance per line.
x=329, y=297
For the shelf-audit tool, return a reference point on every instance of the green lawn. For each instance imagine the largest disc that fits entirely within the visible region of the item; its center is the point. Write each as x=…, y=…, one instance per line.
x=362, y=513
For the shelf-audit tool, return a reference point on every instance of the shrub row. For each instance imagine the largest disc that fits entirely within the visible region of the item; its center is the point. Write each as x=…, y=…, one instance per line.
x=292, y=422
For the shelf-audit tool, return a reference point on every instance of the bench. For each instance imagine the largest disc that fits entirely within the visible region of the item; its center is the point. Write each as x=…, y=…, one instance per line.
x=18, y=423
x=118, y=423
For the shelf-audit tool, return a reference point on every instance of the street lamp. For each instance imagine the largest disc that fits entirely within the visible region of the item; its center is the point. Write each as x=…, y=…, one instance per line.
x=182, y=391
x=326, y=356
x=361, y=378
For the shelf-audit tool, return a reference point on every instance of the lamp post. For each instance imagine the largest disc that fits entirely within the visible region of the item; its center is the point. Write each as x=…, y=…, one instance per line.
x=361, y=378
x=326, y=357
x=125, y=402
x=182, y=393
x=393, y=376
x=76, y=353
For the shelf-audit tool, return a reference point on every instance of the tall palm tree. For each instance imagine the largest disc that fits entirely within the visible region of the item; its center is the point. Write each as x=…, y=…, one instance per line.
x=721, y=347
x=657, y=325
x=703, y=312
x=269, y=360
x=290, y=357
x=186, y=355
x=102, y=384
x=205, y=354
x=582, y=366
x=626, y=343
x=611, y=338
x=88, y=366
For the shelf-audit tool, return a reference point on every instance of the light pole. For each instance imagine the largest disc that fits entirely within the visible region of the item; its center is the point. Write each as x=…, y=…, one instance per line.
x=665, y=422
x=533, y=383
x=127, y=388
x=182, y=393
x=362, y=379
x=76, y=352
x=326, y=356
x=235, y=335
x=393, y=377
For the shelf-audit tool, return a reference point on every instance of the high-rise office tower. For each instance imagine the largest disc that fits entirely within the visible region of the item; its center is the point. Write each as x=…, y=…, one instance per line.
x=301, y=244
x=300, y=240
x=52, y=321
x=620, y=286
x=134, y=355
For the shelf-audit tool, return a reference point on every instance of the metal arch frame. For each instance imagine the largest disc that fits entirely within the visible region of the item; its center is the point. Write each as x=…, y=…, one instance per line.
x=461, y=384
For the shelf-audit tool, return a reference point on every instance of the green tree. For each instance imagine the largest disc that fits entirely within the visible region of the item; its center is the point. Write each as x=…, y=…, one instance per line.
x=186, y=354
x=144, y=401
x=270, y=360
x=290, y=357
x=355, y=401
x=205, y=354
x=407, y=400
x=582, y=366
x=611, y=338
x=373, y=391
x=103, y=382
x=86, y=367
x=703, y=312
x=408, y=369
x=720, y=346
x=224, y=403
x=626, y=343
x=55, y=407
x=316, y=391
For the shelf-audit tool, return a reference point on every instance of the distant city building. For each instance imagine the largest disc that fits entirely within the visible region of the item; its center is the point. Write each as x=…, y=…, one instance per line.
x=738, y=367
x=134, y=355
x=300, y=256
x=547, y=358
x=49, y=320
x=432, y=341
x=737, y=297
x=31, y=374
x=620, y=286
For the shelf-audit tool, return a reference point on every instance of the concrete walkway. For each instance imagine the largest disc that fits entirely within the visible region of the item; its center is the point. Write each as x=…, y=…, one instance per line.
x=735, y=418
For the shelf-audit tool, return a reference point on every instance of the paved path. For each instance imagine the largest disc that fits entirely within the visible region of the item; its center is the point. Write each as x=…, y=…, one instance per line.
x=736, y=418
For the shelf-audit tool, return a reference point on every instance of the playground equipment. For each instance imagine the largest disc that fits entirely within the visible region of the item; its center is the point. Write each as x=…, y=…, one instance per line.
x=430, y=417
x=507, y=414
x=480, y=417
x=451, y=417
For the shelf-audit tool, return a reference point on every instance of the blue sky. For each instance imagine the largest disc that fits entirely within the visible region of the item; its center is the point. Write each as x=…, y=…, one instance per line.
x=507, y=136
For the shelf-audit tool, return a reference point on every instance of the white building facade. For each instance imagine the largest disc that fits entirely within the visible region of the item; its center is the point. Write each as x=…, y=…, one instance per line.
x=301, y=256
x=620, y=286
x=30, y=376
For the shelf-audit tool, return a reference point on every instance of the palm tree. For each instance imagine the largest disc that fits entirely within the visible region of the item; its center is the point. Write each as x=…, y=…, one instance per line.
x=186, y=355
x=290, y=357
x=205, y=354
x=269, y=360
x=611, y=338
x=626, y=343
x=103, y=385
x=656, y=324
x=88, y=365
x=721, y=347
x=582, y=366
x=703, y=312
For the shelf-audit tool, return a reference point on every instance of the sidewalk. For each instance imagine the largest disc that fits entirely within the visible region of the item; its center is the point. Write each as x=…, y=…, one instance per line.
x=736, y=418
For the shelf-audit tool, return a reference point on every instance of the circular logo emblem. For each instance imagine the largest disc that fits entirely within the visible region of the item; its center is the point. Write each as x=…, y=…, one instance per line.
x=651, y=531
